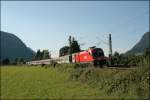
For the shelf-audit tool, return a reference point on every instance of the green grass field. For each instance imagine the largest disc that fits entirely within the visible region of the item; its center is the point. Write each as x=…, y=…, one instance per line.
x=37, y=82
x=73, y=82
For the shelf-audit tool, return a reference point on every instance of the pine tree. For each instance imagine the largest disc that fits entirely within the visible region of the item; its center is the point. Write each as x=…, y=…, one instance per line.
x=38, y=55
x=45, y=54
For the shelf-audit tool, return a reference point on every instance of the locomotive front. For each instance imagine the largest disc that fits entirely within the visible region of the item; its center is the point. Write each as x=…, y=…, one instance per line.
x=98, y=56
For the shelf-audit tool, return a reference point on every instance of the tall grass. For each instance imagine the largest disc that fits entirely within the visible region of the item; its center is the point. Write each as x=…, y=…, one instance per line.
x=130, y=83
x=75, y=81
x=35, y=82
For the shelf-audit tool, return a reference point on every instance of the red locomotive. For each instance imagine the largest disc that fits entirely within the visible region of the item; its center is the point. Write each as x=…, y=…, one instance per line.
x=92, y=55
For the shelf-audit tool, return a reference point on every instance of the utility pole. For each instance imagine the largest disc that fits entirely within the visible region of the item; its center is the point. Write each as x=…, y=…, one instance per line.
x=110, y=45
x=110, y=51
x=70, y=53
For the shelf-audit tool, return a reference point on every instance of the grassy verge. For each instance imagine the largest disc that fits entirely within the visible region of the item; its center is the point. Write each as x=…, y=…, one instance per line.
x=74, y=81
x=116, y=83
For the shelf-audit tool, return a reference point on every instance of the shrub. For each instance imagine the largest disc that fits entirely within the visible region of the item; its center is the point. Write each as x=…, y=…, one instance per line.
x=127, y=83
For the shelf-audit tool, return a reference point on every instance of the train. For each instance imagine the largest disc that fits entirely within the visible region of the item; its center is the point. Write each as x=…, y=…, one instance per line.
x=92, y=55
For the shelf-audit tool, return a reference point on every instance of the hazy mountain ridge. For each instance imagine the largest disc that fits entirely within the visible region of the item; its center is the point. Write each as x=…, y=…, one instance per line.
x=12, y=47
x=141, y=45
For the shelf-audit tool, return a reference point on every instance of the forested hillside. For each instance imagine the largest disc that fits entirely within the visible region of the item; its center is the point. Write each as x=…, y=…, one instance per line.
x=141, y=45
x=12, y=47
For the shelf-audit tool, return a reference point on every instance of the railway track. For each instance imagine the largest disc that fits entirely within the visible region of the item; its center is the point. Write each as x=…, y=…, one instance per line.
x=121, y=67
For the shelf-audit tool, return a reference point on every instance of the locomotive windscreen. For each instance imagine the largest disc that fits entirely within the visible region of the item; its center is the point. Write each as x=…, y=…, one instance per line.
x=97, y=52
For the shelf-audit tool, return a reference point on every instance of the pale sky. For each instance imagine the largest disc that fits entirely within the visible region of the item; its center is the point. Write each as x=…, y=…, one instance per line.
x=48, y=24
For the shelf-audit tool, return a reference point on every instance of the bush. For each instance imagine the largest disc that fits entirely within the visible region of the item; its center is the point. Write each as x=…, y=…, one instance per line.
x=128, y=83
x=6, y=61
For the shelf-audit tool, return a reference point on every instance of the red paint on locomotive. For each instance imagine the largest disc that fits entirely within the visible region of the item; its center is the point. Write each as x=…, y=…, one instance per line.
x=95, y=55
x=83, y=57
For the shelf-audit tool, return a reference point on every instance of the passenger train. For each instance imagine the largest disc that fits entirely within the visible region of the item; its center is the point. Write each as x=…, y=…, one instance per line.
x=92, y=55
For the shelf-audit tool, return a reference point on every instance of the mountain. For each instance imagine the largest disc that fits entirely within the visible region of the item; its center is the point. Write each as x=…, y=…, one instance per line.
x=141, y=45
x=12, y=47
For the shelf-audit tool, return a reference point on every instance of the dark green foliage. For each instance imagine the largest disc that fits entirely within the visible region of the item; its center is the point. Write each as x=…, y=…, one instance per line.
x=124, y=60
x=16, y=61
x=12, y=47
x=6, y=61
x=42, y=55
x=19, y=61
x=130, y=60
x=133, y=60
x=64, y=51
x=118, y=59
x=147, y=54
x=117, y=83
x=139, y=59
x=72, y=48
x=45, y=54
x=38, y=55
x=22, y=61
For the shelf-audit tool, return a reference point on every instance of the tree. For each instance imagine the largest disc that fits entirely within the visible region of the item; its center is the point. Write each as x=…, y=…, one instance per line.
x=45, y=54
x=38, y=55
x=146, y=55
x=6, y=61
x=116, y=58
x=147, y=52
x=21, y=61
x=122, y=59
x=74, y=47
x=64, y=51
x=16, y=61
x=42, y=55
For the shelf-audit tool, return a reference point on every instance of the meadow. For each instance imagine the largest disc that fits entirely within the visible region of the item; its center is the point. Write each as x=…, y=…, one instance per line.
x=23, y=82
x=73, y=82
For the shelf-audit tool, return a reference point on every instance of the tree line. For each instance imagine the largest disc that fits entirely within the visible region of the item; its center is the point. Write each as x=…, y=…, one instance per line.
x=129, y=60
x=41, y=55
x=16, y=61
